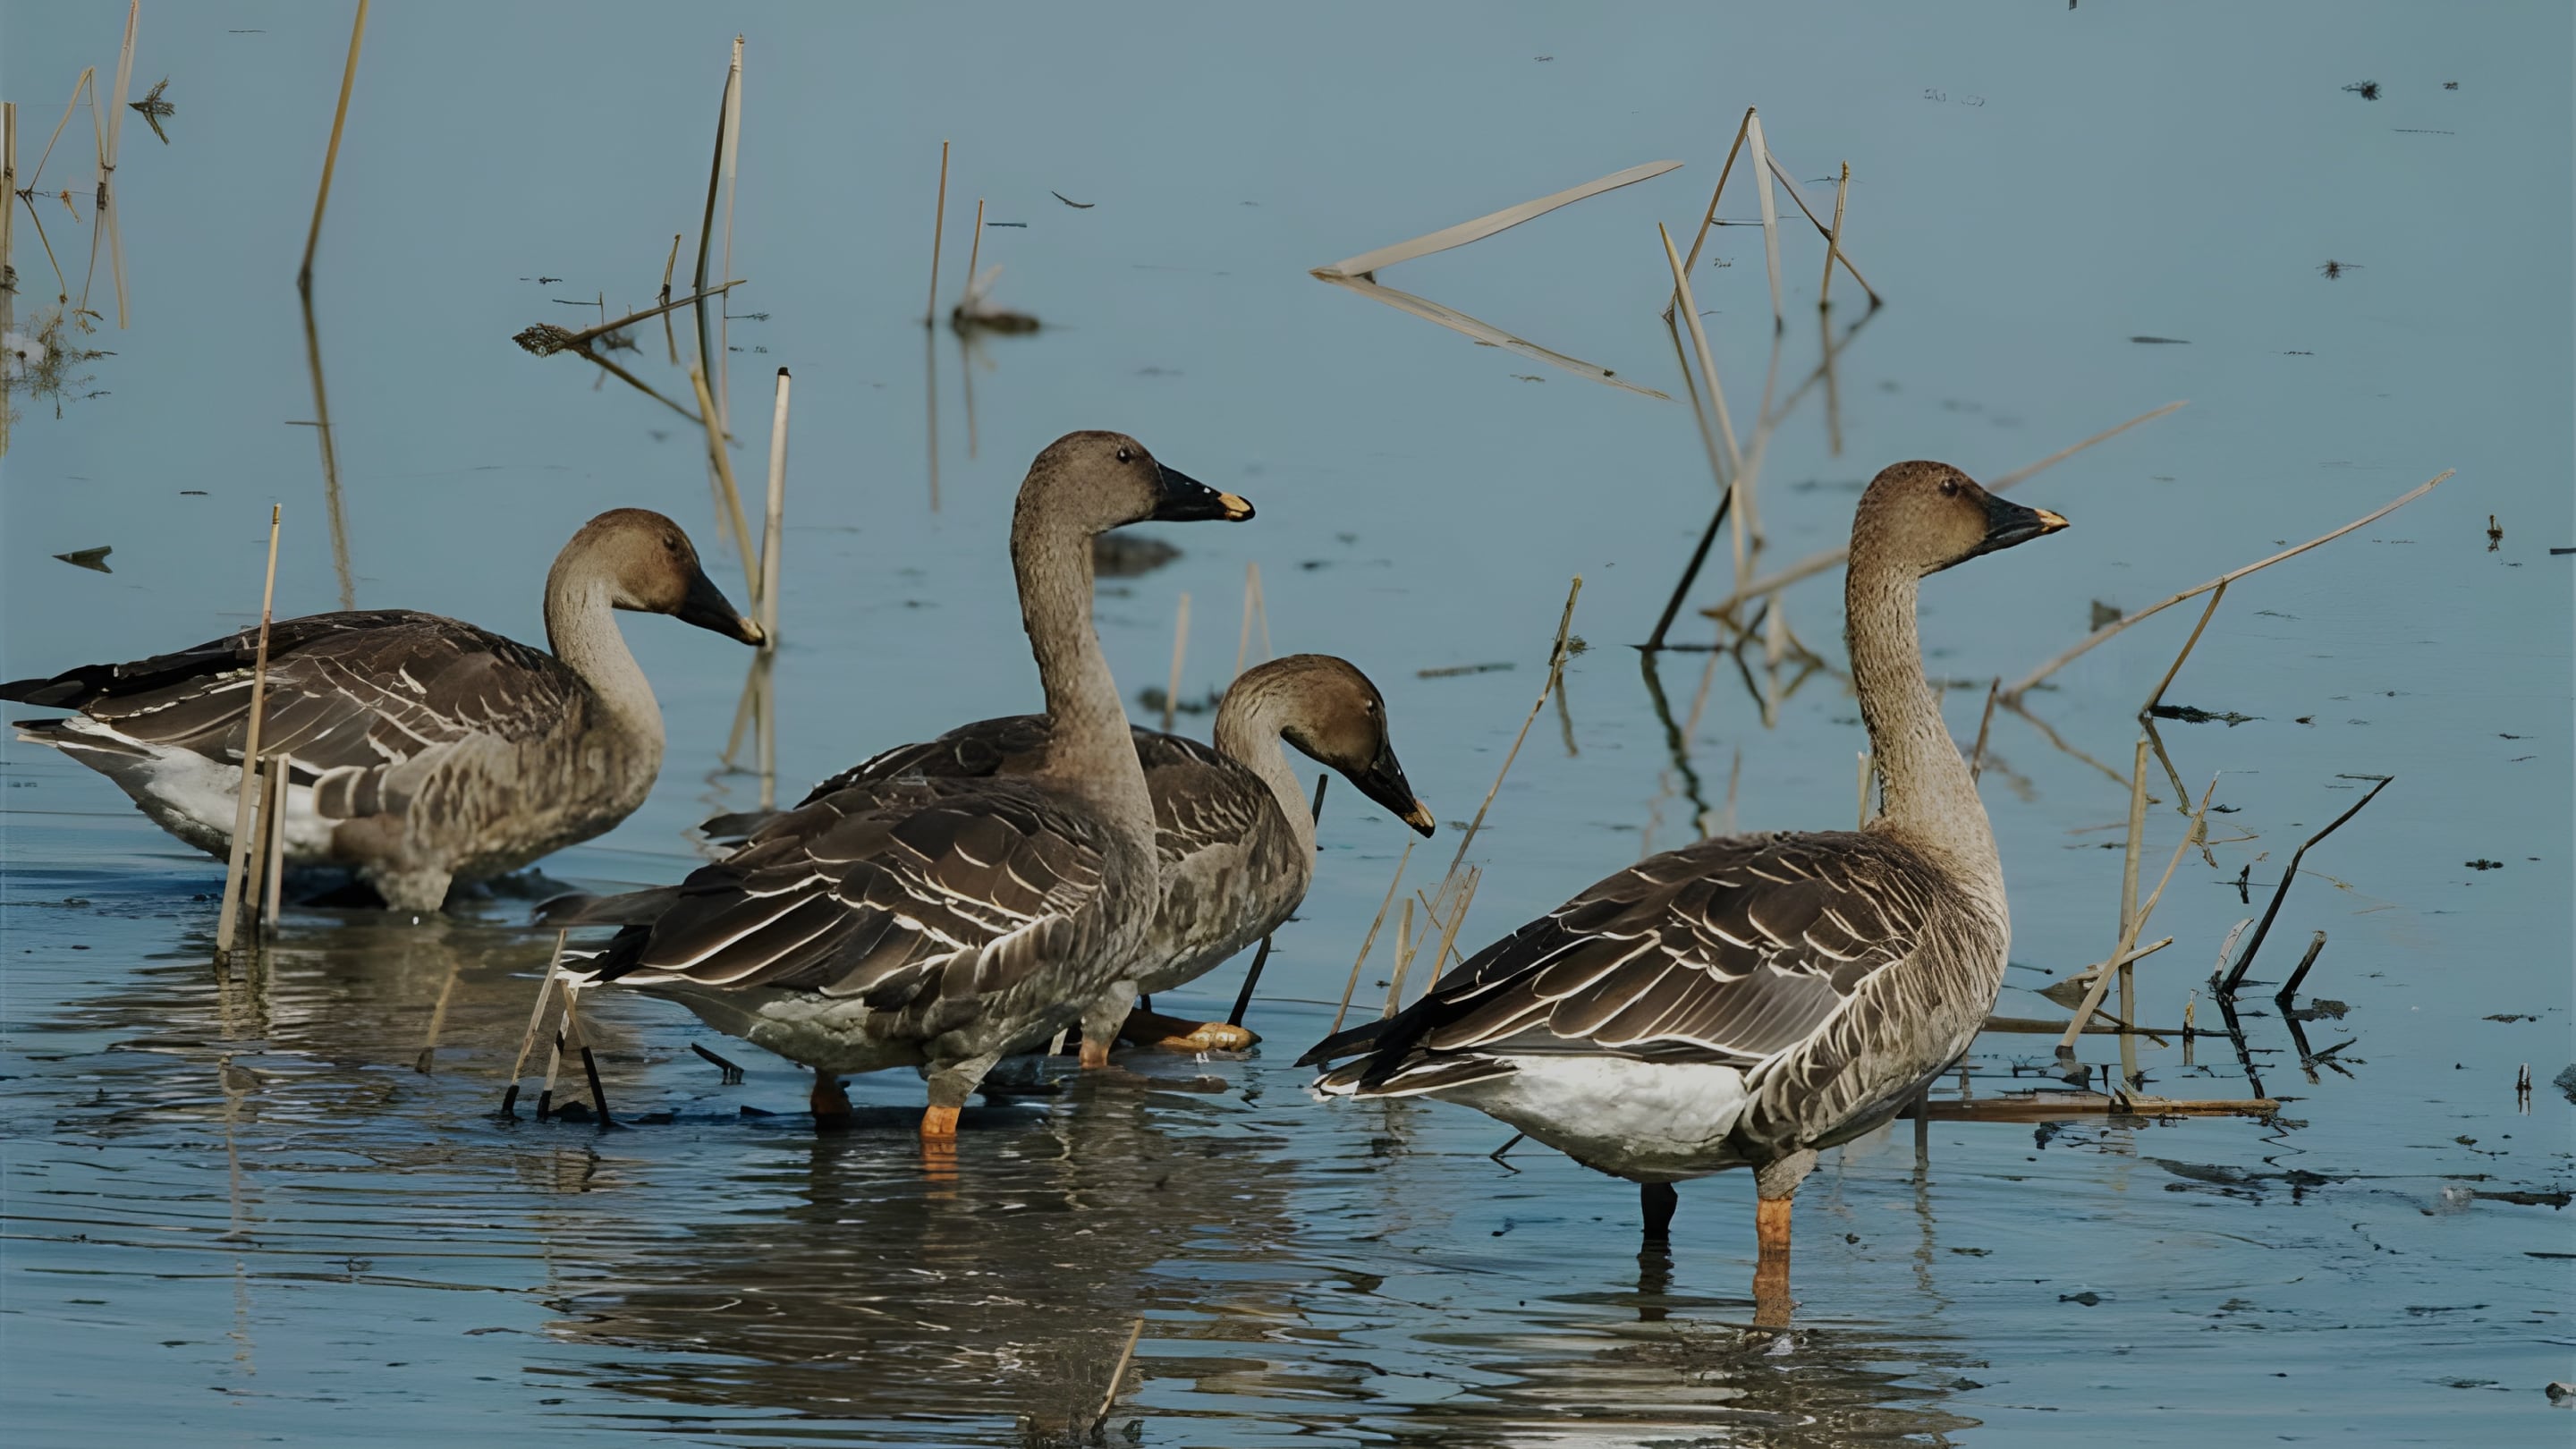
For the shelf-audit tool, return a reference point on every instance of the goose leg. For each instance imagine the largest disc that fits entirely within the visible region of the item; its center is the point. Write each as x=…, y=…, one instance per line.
x=951, y=1083
x=1659, y=1200
x=1101, y=1020
x=831, y=1104
x=1776, y=1187
x=1178, y=1034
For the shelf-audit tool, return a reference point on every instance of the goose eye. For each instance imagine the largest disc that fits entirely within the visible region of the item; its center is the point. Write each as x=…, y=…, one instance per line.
x=1125, y=456
x=1949, y=487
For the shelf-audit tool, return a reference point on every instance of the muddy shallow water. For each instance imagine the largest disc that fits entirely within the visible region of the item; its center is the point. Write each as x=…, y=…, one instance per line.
x=238, y=1211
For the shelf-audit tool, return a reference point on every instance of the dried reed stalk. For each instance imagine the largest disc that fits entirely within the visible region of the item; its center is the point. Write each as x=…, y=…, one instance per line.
x=1761, y=162
x=670, y=264
x=1253, y=604
x=1449, y=931
x=1487, y=333
x=2129, y=873
x=1117, y=1376
x=2106, y=631
x=1834, y=243
x=708, y=358
x=1555, y=674
x=2236, y=975
x=938, y=237
x=331, y=154
x=1709, y=218
x=1180, y=651
x=1778, y=169
x=774, y=525
x=230, y=912
x=281, y=774
x=1367, y=263
x=1707, y=367
x=426, y=1059
x=2290, y=988
x=2129, y=936
x=722, y=371
x=1370, y=940
x=1817, y=563
x=1405, y=947
x=2148, y=709
x=536, y=1018
x=104, y=225
x=1985, y=722
x=257, y=857
x=723, y=467
x=974, y=257
x=1868, y=768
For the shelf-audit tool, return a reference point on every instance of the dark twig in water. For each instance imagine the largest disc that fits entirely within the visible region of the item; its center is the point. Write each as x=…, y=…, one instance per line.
x=731, y=1074
x=2236, y=974
x=1690, y=570
x=2290, y=987
x=1985, y=723
x=1069, y=201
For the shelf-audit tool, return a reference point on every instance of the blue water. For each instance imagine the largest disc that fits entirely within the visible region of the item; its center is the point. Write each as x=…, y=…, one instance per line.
x=237, y=1212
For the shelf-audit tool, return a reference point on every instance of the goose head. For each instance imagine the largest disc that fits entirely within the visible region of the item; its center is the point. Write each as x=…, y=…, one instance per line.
x=1924, y=517
x=648, y=564
x=1097, y=481
x=1335, y=716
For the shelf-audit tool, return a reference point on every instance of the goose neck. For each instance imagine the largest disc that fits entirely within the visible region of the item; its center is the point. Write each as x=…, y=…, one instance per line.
x=1089, y=752
x=581, y=627
x=1248, y=725
x=1926, y=793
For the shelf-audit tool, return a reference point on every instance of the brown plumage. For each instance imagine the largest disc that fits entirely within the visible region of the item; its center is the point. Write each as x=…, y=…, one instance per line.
x=1746, y=1001
x=422, y=750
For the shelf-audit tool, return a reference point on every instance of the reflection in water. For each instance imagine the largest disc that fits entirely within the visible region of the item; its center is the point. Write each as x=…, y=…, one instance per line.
x=835, y=1279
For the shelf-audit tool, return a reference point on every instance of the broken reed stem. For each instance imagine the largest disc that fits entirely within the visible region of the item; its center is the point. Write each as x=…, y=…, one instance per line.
x=2129, y=937
x=1985, y=722
x=104, y=220
x=1791, y=183
x=1370, y=940
x=536, y=1019
x=2129, y=874
x=1833, y=248
x=1770, y=216
x=1180, y=651
x=230, y=912
x=724, y=477
x=1698, y=558
x=1449, y=932
x=722, y=372
x=774, y=526
x=580, y=341
x=427, y=1059
x=1817, y=563
x=256, y=878
x=2290, y=988
x=2149, y=708
x=974, y=257
x=1253, y=603
x=670, y=340
x=2236, y=974
x=1709, y=218
x=707, y=356
x=331, y=153
x=1117, y=1375
x=1708, y=368
x=938, y=235
x=1555, y=674
x=2136, y=837
x=1865, y=772
x=281, y=775
x=1405, y=948
x=2106, y=631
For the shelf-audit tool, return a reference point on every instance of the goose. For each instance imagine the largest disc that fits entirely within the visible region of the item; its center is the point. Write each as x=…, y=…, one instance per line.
x=422, y=750
x=942, y=922
x=1233, y=837
x=1749, y=1000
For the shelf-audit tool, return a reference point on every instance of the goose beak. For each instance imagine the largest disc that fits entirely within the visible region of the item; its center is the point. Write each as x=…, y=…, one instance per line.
x=706, y=606
x=2008, y=523
x=1384, y=782
x=1184, y=499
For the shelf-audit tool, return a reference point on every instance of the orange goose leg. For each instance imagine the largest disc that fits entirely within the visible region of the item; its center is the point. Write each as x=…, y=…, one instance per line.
x=831, y=1104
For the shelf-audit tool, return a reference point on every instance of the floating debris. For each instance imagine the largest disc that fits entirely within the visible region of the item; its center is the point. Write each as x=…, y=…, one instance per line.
x=2495, y=534
x=2367, y=90
x=2484, y=864
x=89, y=558
x=2189, y=714
x=2164, y=341
x=154, y=109
x=2333, y=270
x=1069, y=201
x=1451, y=671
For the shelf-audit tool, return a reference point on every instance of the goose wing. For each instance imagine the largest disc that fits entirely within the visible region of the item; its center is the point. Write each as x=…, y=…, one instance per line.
x=881, y=893
x=1728, y=950
x=1201, y=798
x=352, y=697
